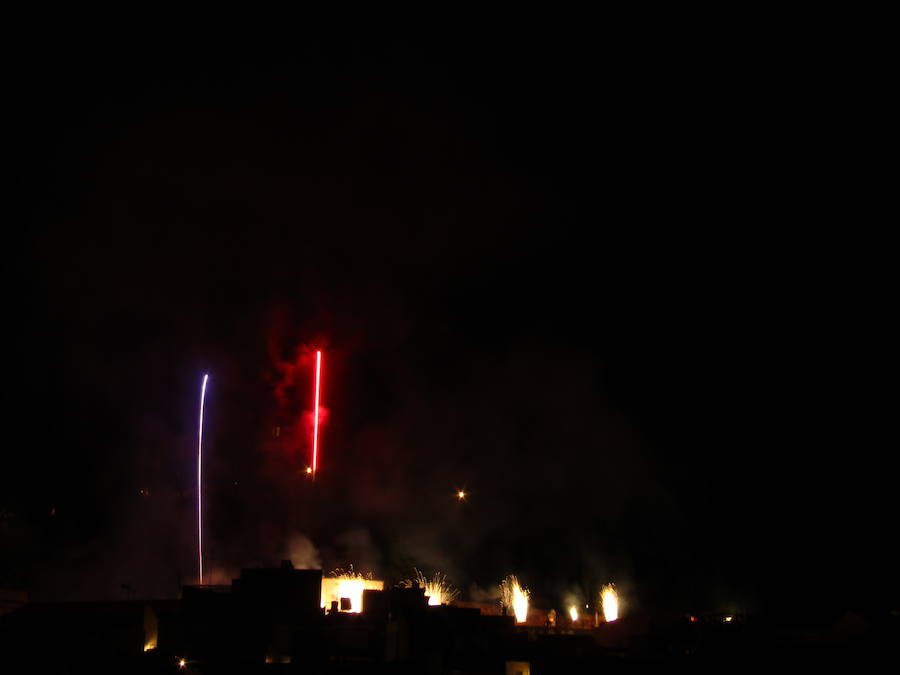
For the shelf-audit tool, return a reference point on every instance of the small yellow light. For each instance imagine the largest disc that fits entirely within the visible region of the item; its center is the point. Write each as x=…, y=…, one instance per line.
x=182, y=663
x=309, y=469
x=461, y=494
x=728, y=619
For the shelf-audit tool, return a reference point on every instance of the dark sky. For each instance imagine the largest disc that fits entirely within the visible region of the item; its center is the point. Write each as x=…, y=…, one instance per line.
x=607, y=276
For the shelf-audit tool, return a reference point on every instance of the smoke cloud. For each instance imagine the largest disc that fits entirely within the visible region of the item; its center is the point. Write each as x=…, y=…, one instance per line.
x=302, y=553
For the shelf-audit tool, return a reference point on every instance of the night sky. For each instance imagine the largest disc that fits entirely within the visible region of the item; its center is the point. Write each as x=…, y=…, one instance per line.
x=606, y=276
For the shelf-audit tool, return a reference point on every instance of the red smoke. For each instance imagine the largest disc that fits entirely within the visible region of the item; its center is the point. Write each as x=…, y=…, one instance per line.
x=293, y=387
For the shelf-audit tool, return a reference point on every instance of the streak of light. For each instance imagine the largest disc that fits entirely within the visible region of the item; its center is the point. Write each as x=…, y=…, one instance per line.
x=315, y=458
x=200, y=481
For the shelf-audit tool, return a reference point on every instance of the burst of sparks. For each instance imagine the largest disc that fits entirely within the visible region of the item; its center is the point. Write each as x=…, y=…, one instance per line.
x=437, y=589
x=609, y=600
x=315, y=458
x=514, y=598
x=199, y=480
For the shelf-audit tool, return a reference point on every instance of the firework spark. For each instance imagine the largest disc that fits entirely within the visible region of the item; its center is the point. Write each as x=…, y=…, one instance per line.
x=609, y=600
x=514, y=598
x=437, y=589
x=200, y=481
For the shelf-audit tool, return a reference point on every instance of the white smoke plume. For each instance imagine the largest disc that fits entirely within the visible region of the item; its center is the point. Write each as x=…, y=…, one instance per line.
x=302, y=552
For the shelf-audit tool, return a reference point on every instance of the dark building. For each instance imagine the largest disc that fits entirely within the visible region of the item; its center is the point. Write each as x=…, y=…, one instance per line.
x=265, y=616
x=272, y=619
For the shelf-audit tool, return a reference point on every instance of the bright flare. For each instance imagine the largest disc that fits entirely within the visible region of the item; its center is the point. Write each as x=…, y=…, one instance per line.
x=609, y=600
x=514, y=598
x=461, y=495
x=520, y=605
x=341, y=584
x=315, y=459
x=199, y=480
x=573, y=613
x=353, y=589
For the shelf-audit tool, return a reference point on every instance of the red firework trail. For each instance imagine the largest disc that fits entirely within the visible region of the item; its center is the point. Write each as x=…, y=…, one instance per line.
x=315, y=457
